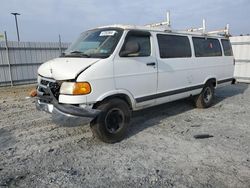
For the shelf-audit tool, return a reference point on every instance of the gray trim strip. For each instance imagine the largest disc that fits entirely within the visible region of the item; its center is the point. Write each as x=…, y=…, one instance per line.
x=178, y=91
x=168, y=93
x=242, y=60
x=225, y=80
x=240, y=43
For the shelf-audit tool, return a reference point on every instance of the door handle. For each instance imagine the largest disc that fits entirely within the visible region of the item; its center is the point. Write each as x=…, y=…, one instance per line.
x=151, y=64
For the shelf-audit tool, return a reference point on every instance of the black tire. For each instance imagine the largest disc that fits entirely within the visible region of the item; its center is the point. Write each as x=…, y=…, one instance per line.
x=111, y=125
x=205, y=98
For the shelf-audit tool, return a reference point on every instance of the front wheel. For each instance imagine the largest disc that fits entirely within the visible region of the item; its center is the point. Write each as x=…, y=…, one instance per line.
x=205, y=98
x=112, y=123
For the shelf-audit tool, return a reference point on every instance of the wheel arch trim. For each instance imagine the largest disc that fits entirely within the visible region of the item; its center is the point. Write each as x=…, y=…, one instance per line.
x=123, y=94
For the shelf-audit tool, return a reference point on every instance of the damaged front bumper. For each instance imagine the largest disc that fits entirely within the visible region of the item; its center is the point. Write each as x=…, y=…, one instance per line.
x=64, y=114
x=67, y=115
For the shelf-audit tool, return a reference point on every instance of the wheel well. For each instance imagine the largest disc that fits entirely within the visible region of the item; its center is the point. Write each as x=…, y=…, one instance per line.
x=212, y=80
x=123, y=97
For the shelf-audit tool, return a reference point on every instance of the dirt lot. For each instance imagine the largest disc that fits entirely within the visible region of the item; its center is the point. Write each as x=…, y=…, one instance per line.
x=160, y=150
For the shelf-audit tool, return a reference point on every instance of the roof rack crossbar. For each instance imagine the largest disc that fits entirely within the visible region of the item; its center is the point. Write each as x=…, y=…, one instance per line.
x=157, y=24
x=224, y=31
x=160, y=24
x=203, y=28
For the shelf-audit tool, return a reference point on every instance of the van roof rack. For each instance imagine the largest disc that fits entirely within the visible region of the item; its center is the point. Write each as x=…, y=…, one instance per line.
x=223, y=32
x=202, y=29
x=166, y=26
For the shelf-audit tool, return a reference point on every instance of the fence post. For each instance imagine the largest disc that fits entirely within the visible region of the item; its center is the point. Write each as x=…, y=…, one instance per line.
x=60, y=45
x=8, y=57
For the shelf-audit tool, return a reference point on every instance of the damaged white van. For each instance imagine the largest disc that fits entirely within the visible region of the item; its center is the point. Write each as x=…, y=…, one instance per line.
x=110, y=71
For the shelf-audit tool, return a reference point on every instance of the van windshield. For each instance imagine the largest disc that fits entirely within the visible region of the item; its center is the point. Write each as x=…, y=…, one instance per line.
x=98, y=43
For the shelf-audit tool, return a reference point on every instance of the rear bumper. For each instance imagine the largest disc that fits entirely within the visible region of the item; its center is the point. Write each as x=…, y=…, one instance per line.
x=67, y=115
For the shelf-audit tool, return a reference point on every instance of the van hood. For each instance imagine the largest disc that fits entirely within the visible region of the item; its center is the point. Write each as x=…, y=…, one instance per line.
x=65, y=68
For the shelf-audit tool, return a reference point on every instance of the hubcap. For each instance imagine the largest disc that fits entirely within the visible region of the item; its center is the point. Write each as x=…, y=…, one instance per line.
x=114, y=120
x=207, y=95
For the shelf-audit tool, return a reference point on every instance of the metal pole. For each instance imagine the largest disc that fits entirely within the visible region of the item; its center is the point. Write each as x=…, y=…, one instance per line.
x=8, y=57
x=60, y=44
x=227, y=29
x=203, y=26
x=17, y=30
x=168, y=18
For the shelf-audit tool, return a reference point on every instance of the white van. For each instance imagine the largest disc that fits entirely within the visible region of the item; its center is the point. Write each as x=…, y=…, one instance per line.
x=110, y=71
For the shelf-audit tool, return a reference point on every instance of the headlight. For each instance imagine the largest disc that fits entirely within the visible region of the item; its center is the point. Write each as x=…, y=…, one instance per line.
x=75, y=88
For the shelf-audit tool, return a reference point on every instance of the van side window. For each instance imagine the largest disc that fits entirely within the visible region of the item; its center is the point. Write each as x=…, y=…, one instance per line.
x=173, y=46
x=227, y=48
x=142, y=39
x=206, y=47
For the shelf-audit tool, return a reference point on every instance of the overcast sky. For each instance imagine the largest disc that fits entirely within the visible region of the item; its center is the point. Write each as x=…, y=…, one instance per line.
x=43, y=20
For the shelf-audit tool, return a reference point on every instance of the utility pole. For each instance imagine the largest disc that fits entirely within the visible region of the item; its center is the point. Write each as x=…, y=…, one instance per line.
x=17, y=31
x=8, y=57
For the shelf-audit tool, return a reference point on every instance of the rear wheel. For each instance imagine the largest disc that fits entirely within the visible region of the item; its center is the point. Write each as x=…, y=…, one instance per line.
x=205, y=98
x=112, y=123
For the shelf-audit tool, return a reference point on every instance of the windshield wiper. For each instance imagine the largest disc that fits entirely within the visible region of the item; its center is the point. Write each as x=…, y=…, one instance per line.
x=100, y=55
x=77, y=53
x=62, y=54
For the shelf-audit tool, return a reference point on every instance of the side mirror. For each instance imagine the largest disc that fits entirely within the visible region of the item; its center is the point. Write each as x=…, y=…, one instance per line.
x=130, y=48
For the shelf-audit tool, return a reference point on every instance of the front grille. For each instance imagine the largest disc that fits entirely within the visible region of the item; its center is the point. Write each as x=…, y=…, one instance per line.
x=53, y=86
x=44, y=82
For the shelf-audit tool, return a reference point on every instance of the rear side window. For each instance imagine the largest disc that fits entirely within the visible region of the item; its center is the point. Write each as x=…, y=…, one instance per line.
x=227, y=47
x=173, y=46
x=206, y=47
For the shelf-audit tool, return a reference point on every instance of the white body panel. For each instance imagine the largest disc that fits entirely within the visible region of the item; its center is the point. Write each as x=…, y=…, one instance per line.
x=132, y=74
x=132, y=77
x=241, y=50
x=64, y=68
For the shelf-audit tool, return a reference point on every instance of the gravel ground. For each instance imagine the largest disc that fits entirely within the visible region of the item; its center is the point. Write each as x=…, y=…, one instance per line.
x=160, y=150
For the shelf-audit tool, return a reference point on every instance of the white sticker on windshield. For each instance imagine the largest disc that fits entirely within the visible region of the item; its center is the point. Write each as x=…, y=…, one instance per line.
x=108, y=33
